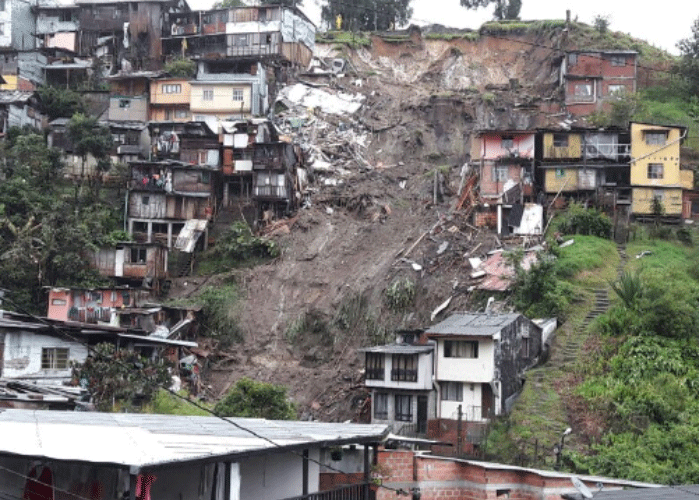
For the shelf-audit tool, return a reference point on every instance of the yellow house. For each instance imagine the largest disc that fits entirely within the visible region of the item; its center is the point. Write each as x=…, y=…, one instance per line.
x=216, y=101
x=655, y=168
x=170, y=100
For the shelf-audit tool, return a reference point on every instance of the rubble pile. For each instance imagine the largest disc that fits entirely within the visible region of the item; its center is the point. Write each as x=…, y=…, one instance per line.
x=323, y=123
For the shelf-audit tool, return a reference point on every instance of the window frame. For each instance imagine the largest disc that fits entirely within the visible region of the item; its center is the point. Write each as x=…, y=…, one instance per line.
x=560, y=140
x=617, y=89
x=55, y=358
x=404, y=368
x=655, y=137
x=499, y=173
x=171, y=88
x=380, y=406
x=618, y=60
x=237, y=92
x=451, y=391
x=135, y=254
x=655, y=170
x=403, y=407
x=208, y=94
x=374, y=365
x=461, y=349
x=587, y=86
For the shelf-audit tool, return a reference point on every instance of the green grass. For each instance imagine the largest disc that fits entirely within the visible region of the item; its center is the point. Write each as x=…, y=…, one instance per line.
x=166, y=404
x=344, y=37
x=586, y=255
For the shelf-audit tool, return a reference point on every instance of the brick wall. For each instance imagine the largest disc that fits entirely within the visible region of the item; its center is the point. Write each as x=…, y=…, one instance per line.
x=448, y=478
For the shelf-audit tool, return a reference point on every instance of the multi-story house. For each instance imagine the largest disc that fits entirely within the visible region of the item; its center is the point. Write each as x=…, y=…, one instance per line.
x=592, y=78
x=655, y=169
x=133, y=263
x=259, y=33
x=585, y=164
x=275, y=166
x=238, y=94
x=170, y=99
x=57, y=24
x=505, y=163
x=480, y=361
x=400, y=378
x=125, y=35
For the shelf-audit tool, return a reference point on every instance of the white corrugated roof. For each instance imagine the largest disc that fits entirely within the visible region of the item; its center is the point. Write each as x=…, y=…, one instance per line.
x=143, y=440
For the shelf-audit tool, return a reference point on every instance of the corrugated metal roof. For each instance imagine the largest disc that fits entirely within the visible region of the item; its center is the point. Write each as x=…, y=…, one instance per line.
x=473, y=324
x=399, y=349
x=688, y=492
x=144, y=440
x=13, y=96
x=189, y=234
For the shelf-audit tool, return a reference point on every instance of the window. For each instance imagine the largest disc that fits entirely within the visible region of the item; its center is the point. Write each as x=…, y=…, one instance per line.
x=461, y=349
x=507, y=143
x=374, y=366
x=145, y=200
x=240, y=40
x=655, y=137
x=526, y=347
x=402, y=408
x=124, y=103
x=499, y=173
x=618, y=61
x=560, y=140
x=171, y=88
x=54, y=358
x=659, y=195
x=559, y=172
x=381, y=406
x=238, y=95
x=404, y=367
x=205, y=177
x=655, y=171
x=208, y=94
x=181, y=113
x=58, y=302
x=573, y=59
x=451, y=391
x=2, y=5
x=2, y=29
x=138, y=255
x=616, y=89
x=583, y=89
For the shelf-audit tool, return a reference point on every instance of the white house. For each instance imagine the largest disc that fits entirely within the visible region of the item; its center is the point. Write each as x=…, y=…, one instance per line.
x=400, y=377
x=480, y=360
x=141, y=456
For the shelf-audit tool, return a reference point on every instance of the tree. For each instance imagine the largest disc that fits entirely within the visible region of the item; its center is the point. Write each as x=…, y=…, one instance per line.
x=120, y=377
x=58, y=102
x=688, y=65
x=504, y=9
x=90, y=138
x=367, y=15
x=185, y=68
x=601, y=23
x=253, y=399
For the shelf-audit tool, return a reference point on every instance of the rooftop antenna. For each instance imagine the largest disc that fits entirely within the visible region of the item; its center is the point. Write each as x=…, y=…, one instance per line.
x=582, y=488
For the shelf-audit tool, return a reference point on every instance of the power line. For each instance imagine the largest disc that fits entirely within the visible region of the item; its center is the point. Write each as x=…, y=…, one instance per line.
x=91, y=349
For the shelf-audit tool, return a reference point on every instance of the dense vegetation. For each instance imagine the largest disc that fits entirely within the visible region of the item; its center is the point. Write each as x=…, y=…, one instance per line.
x=250, y=398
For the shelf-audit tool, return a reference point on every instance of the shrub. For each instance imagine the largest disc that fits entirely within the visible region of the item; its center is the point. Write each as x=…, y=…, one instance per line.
x=184, y=68
x=400, y=294
x=587, y=221
x=253, y=399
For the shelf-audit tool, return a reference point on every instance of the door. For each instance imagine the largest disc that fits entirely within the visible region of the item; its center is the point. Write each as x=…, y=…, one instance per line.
x=486, y=401
x=422, y=415
x=119, y=262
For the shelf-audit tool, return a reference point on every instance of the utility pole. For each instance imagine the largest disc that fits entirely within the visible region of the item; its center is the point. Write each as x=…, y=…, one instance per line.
x=459, y=430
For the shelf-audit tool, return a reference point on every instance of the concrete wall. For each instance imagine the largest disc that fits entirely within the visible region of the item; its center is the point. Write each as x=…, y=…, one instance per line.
x=277, y=476
x=425, y=375
x=476, y=370
x=22, y=356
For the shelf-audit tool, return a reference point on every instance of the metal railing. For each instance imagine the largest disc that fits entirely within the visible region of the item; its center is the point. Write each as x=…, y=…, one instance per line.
x=398, y=375
x=351, y=492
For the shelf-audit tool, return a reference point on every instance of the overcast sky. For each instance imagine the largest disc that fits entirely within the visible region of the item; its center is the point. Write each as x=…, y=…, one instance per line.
x=661, y=24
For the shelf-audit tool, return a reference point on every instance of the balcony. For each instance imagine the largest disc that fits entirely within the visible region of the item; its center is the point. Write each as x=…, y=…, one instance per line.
x=270, y=192
x=374, y=373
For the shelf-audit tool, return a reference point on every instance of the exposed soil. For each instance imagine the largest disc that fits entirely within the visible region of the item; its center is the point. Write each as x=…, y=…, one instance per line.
x=306, y=314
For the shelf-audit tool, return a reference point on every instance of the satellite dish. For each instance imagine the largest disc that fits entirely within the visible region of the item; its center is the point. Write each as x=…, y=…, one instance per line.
x=582, y=488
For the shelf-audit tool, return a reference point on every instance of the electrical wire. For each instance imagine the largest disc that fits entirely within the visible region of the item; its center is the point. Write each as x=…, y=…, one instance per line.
x=57, y=330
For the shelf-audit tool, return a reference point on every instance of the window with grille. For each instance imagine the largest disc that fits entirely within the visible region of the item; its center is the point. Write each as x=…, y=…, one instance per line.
x=374, y=366
x=54, y=358
x=655, y=171
x=403, y=409
x=404, y=368
x=461, y=349
x=381, y=406
x=451, y=391
x=238, y=95
x=499, y=173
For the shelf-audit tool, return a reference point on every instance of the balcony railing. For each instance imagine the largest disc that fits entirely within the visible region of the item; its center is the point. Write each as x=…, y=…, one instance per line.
x=374, y=373
x=351, y=492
